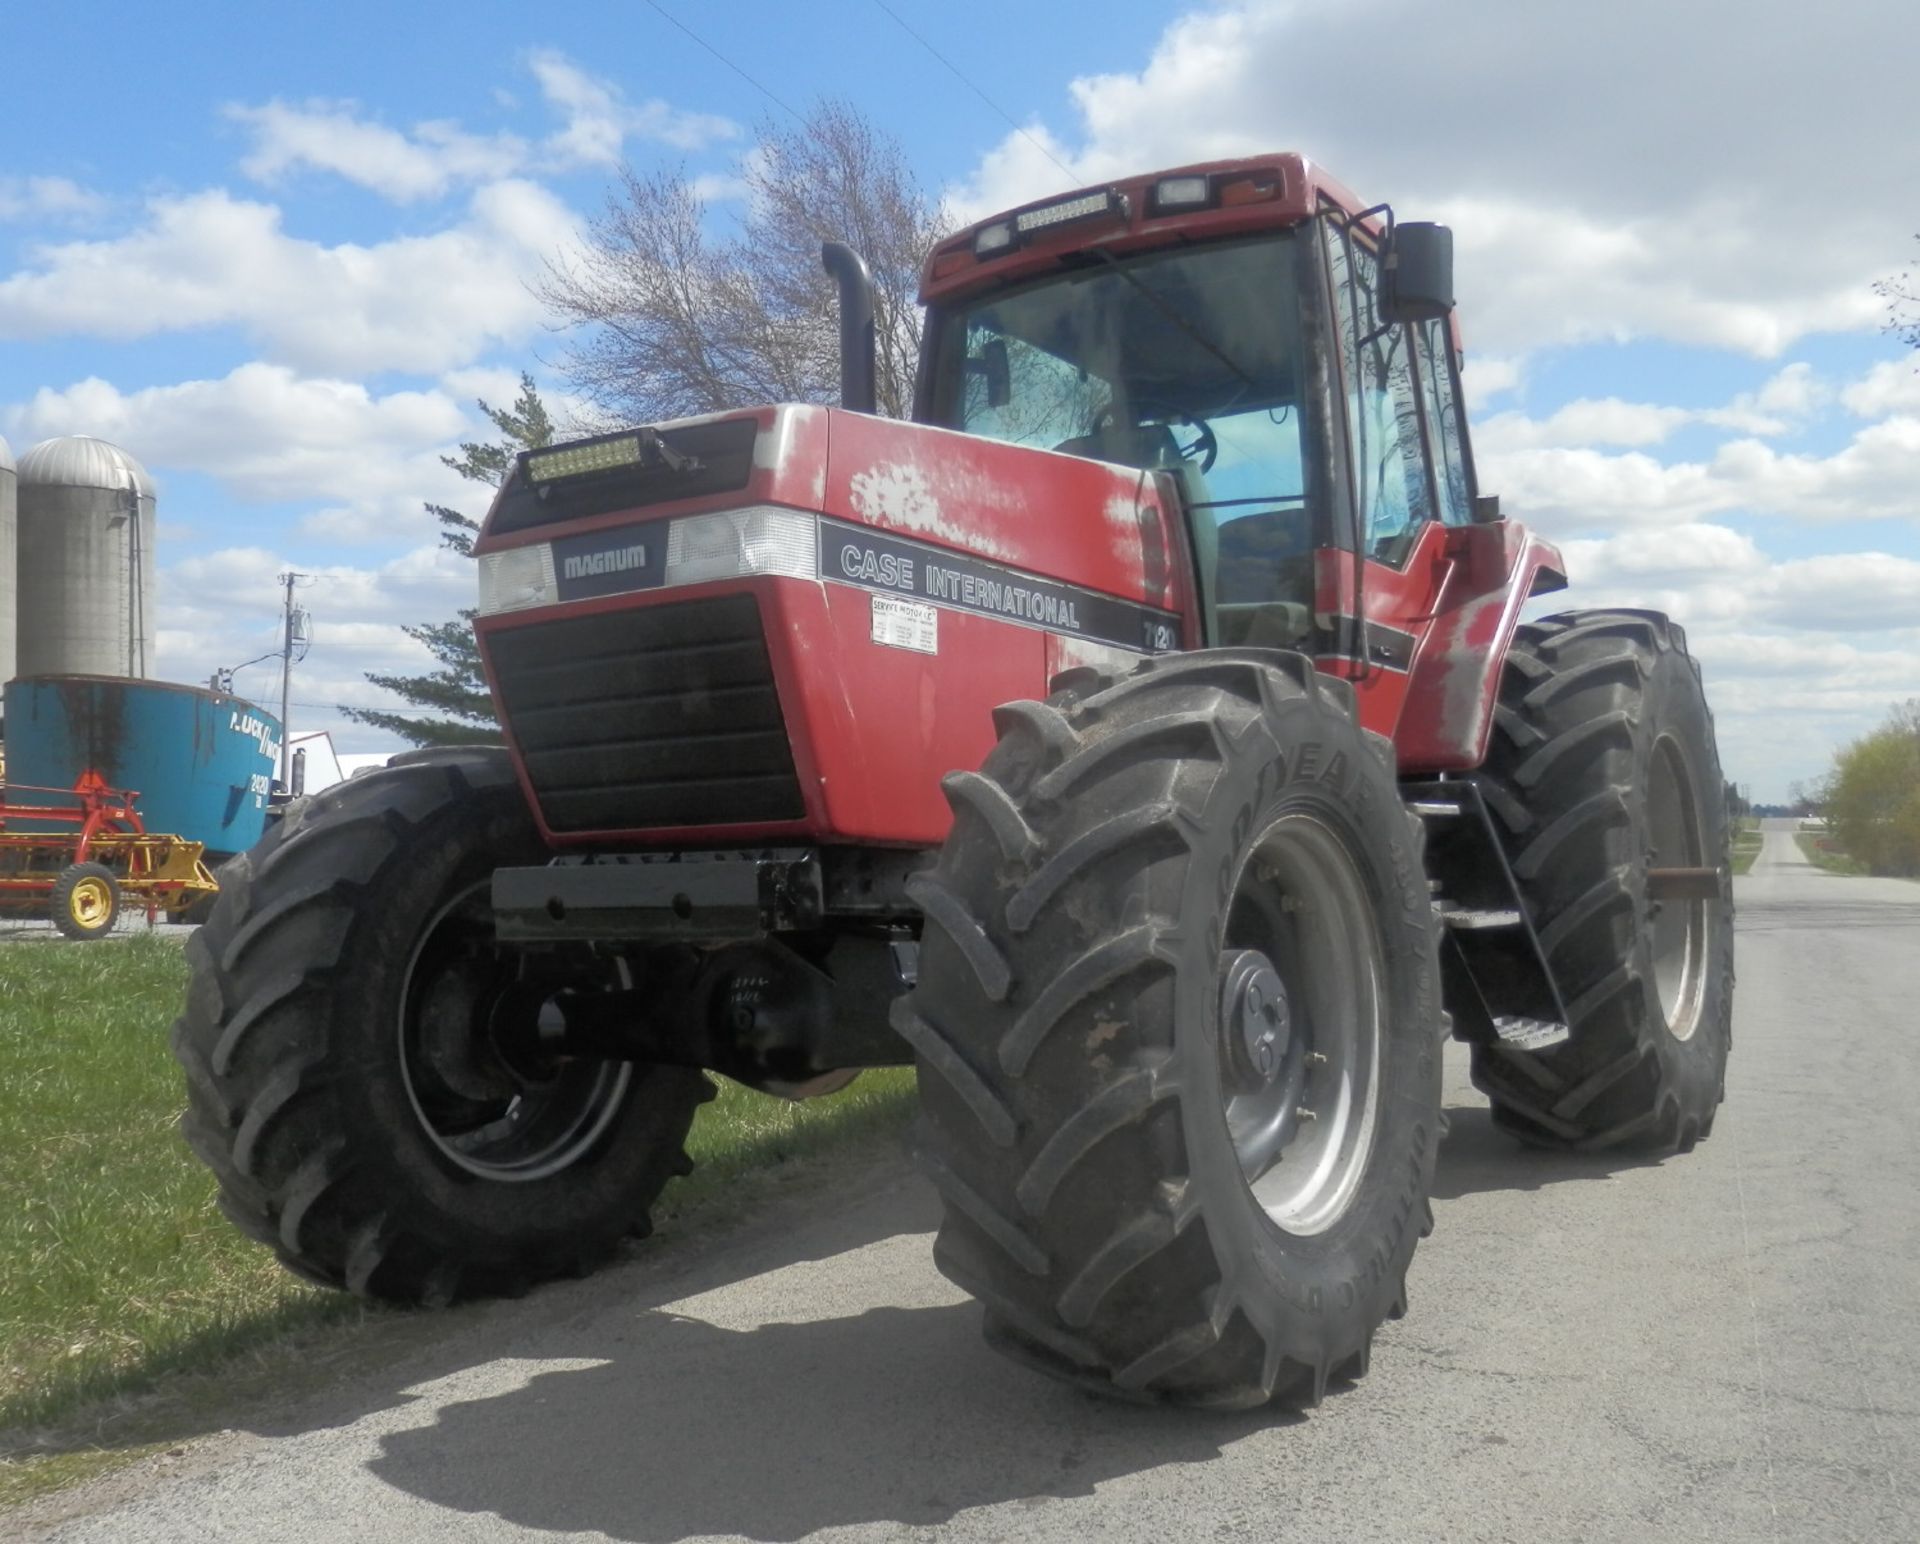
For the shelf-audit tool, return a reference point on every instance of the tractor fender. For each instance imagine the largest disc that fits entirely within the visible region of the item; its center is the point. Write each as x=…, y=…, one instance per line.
x=1493, y=568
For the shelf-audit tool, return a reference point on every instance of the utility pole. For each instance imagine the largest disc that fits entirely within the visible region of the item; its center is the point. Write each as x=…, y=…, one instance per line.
x=290, y=617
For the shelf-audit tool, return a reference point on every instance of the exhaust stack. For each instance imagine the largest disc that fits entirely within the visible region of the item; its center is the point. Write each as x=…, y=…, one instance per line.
x=849, y=271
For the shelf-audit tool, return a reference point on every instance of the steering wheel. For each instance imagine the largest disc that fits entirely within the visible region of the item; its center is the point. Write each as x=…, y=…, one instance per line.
x=1204, y=446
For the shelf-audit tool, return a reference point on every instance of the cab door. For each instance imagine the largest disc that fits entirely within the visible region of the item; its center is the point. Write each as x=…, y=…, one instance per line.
x=1401, y=506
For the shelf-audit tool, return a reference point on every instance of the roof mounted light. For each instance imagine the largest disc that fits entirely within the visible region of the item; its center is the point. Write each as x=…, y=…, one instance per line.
x=990, y=239
x=1171, y=193
x=592, y=456
x=1084, y=207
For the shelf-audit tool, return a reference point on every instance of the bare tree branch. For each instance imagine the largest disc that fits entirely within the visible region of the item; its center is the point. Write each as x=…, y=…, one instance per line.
x=671, y=320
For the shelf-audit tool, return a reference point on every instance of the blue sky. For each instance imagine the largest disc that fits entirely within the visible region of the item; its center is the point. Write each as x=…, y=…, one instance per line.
x=277, y=254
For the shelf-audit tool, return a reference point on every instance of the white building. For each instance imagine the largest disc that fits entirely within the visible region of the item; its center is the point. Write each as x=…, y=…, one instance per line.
x=318, y=765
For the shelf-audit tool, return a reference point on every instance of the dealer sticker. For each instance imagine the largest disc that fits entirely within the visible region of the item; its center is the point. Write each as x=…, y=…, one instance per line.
x=905, y=624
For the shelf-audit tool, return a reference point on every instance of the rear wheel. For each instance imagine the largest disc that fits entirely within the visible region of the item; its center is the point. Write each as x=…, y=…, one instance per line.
x=86, y=901
x=1178, y=1034
x=360, y=1071
x=1603, y=772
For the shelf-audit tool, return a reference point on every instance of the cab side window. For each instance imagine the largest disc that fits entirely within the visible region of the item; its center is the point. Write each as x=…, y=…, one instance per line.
x=1446, y=433
x=1383, y=413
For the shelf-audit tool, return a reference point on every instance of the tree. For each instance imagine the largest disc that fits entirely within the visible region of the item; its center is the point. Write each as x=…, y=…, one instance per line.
x=456, y=694
x=675, y=320
x=1902, y=295
x=1872, y=798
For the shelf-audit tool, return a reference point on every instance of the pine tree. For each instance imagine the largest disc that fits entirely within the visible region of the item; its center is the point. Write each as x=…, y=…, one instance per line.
x=455, y=695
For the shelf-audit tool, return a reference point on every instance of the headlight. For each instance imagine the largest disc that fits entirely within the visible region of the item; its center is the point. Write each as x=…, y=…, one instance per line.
x=733, y=543
x=517, y=578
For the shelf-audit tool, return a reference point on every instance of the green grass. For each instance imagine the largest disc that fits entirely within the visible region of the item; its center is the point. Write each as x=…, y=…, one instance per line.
x=1813, y=846
x=120, y=1275
x=1747, y=842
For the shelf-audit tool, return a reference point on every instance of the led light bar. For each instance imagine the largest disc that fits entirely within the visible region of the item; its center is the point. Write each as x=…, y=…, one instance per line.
x=574, y=460
x=1067, y=209
x=517, y=578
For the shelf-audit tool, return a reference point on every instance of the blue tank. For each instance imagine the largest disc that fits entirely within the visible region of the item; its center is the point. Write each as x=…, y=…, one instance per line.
x=201, y=762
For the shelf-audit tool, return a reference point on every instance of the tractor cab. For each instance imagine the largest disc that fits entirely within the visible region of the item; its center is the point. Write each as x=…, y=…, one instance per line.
x=1284, y=357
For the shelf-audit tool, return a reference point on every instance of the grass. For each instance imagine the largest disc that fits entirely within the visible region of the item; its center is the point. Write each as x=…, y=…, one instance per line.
x=1747, y=842
x=120, y=1275
x=1818, y=849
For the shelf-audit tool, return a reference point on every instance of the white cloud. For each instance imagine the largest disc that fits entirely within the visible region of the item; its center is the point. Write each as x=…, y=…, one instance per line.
x=1610, y=173
x=268, y=436
x=433, y=157
x=1892, y=386
x=419, y=303
x=1585, y=421
x=333, y=137
x=48, y=198
x=217, y=610
x=1487, y=376
x=1553, y=472
x=599, y=119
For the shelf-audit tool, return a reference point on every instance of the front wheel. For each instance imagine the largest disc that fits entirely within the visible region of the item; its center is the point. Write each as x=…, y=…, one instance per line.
x=1178, y=1033
x=358, y=1073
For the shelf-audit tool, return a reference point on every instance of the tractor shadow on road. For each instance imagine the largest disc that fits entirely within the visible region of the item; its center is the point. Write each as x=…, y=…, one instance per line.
x=717, y=1403
x=1477, y=1156
x=893, y=1415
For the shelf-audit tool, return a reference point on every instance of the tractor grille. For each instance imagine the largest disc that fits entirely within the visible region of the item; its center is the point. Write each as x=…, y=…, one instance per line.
x=656, y=716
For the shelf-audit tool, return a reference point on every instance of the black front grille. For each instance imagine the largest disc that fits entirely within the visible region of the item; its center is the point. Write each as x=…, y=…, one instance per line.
x=658, y=716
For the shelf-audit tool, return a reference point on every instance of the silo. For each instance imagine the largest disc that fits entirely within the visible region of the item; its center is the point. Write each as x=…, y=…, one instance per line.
x=85, y=561
x=8, y=588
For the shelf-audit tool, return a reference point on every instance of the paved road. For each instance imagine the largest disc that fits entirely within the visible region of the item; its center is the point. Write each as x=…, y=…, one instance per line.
x=1723, y=1347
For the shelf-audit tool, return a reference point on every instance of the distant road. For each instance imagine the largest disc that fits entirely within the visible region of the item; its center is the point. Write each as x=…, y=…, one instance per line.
x=1719, y=1347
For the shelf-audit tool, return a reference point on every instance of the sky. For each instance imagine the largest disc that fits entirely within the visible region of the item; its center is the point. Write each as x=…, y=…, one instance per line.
x=277, y=254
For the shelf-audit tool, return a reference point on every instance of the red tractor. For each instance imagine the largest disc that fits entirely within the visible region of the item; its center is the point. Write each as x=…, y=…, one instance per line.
x=1143, y=741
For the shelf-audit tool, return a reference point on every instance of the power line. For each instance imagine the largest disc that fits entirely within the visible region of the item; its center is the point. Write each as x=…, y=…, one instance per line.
x=962, y=78
x=668, y=16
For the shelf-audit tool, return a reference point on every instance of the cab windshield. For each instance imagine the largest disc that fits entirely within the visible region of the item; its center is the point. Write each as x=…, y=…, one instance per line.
x=1187, y=361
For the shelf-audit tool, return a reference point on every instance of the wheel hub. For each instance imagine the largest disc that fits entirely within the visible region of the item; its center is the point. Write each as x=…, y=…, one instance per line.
x=1255, y=1018
x=1301, y=1024
x=486, y=1093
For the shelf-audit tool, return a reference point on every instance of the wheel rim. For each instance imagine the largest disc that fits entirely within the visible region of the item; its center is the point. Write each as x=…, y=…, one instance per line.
x=494, y=1106
x=90, y=902
x=1301, y=1078
x=1677, y=928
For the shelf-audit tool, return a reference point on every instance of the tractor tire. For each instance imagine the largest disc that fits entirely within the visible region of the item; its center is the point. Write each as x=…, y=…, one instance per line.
x=1602, y=766
x=86, y=901
x=1175, y=912
x=342, y=1082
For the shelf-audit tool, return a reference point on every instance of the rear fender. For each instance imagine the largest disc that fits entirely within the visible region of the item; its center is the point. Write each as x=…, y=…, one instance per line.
x=1493, y=567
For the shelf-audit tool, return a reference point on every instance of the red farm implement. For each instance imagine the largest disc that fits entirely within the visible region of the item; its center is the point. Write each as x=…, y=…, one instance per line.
x=77, y=855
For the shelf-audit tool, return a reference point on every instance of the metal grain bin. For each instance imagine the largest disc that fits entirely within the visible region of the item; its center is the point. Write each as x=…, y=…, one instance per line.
x=8, y=560
x=201, y=762
x=86, y=531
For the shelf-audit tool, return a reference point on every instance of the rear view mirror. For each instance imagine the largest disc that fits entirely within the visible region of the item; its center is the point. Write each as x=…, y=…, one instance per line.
x=991, y=364
x=1419, y=273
